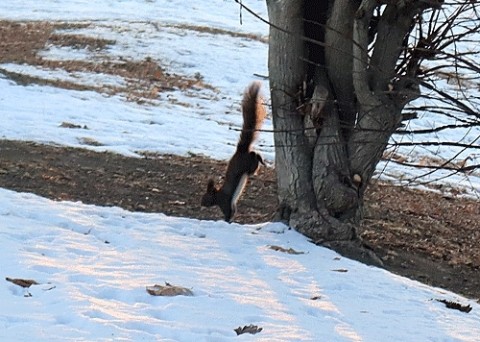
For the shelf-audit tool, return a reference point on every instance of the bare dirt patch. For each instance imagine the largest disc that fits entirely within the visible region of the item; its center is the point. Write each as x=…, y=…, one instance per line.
x=421, y=235
x=22, y=42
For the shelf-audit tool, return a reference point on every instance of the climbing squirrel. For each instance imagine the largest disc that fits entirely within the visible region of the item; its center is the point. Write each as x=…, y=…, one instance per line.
x=244, y=162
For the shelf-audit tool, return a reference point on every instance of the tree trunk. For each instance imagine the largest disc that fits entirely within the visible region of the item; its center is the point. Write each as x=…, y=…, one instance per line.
x=299, y=206
x=287, y=70
x=334, y=106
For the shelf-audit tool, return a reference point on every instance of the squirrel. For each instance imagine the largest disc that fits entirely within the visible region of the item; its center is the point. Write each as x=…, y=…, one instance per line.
x=244, y=162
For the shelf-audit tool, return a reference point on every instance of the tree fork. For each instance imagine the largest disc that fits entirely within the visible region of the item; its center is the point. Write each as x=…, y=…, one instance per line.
x=300, y=205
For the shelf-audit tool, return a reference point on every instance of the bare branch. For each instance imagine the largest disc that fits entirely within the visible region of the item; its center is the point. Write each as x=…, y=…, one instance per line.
x=436, y=129
x=437, y=167
x=459, y=103
x=360, y=53
x=394, y=25
x=437, y=143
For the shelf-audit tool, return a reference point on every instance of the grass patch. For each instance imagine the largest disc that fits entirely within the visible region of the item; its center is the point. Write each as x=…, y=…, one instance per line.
x=217, y=31
x=78, y=41
x=21, y=43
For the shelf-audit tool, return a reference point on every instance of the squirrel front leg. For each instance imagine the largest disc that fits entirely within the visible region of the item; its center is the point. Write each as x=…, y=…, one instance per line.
x=255, y=161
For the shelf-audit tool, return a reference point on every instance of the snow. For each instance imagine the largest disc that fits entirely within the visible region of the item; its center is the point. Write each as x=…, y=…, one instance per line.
x=94, y=263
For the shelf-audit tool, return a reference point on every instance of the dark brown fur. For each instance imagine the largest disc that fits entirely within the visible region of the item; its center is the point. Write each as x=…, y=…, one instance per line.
x=245, y=162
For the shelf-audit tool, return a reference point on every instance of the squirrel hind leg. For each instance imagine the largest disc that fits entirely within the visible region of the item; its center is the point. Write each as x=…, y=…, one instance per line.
x=209, y=198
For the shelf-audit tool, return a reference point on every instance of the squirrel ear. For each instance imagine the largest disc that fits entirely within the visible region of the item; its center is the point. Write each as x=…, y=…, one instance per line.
x=210, y=185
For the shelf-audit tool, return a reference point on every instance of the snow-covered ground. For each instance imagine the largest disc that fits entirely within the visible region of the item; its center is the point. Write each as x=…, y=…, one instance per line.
x=93, y=264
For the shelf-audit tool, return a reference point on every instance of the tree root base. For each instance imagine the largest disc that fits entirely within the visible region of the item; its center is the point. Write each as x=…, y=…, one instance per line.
x=356, y=250
x=320, y=226
x=327, y=231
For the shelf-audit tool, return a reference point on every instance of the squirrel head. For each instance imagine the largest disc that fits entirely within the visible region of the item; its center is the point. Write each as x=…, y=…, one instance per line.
x=209, y=198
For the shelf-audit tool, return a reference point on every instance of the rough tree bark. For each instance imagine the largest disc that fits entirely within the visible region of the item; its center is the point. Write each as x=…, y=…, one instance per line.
x=336, y=101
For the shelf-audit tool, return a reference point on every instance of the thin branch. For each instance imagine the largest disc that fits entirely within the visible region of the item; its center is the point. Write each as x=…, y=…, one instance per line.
x=436, y=167
x=436, y=129
x=437, y=143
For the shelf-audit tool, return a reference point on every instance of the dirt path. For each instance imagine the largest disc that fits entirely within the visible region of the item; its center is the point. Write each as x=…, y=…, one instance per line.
x=424, y=236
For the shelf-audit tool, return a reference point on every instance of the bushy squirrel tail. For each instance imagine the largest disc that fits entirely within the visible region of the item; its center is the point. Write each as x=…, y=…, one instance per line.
x=253, y=116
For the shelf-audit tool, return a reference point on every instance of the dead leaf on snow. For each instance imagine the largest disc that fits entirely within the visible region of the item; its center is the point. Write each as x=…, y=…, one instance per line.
x=66, y=124
x=284, y=250
x=25, y=283
x=50, y=288
x=455, y=306
x=168, y=290
x=89, y=141
x=250, y=329
x=341, y=270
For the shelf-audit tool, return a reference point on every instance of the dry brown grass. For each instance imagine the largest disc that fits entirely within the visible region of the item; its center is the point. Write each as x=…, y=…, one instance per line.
x=217, y=31
x=22, y=42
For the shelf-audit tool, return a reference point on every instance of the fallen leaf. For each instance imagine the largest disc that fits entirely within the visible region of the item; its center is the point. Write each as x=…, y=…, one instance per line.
x=250, y=329
x=168, y=290
x=50, y=288
x=71, y=125
x=455, y=306
x=284, y=250
x=25, y=283
x=89, y=141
